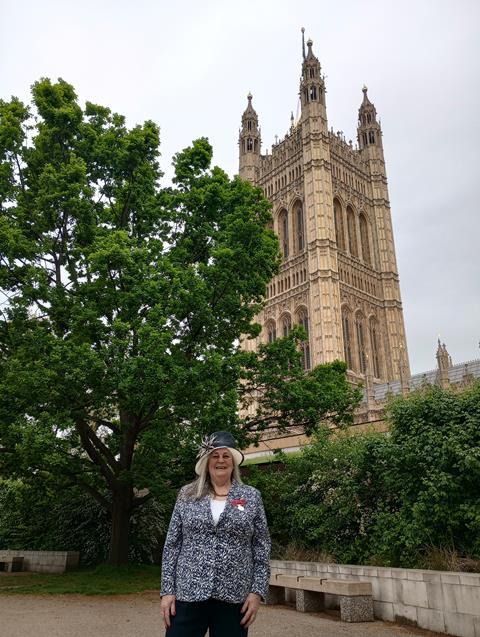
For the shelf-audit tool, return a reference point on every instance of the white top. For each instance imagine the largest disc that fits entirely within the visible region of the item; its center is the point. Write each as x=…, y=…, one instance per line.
x=217, y=507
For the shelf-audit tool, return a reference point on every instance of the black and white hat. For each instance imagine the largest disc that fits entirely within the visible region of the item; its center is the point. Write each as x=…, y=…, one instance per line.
x=217, y=440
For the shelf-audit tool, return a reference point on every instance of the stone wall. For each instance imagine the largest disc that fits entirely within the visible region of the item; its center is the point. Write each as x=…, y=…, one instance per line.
x=44, y=561
x=441, y=601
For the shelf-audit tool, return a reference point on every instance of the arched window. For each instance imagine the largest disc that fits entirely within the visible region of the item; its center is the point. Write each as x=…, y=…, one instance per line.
x=271, y=332
x=339, y=229
x=352, y=232
x=303, y=321
x=347, y=337
x=371, y=137
x=375, y=347
x=249, y=144
x=299, y=227
x=360, y=329
x=364, y=240
x=283, y=232
x=286, y=325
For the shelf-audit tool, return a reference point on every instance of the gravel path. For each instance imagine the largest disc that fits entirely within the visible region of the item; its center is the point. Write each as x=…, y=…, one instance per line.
x=139, y=616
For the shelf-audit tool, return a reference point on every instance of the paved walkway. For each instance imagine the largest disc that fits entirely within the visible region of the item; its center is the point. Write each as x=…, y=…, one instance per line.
x=139, y=616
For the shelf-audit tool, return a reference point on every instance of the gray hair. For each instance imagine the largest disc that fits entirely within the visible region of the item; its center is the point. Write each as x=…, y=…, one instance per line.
x=202, y=486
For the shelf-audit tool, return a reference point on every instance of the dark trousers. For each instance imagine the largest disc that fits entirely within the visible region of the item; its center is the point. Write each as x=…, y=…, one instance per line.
x=193, y=619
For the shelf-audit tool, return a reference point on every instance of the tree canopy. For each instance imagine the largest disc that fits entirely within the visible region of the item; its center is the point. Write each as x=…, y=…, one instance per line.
x=123, y=303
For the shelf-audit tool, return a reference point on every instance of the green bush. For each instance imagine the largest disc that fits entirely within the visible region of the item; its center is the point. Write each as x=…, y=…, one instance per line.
x=400, y=499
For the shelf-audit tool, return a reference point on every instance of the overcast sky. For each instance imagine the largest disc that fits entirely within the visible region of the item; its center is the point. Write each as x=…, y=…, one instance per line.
x=189, y=65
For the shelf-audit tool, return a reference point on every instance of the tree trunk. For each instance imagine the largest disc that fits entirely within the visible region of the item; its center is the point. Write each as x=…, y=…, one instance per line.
x=121, y=512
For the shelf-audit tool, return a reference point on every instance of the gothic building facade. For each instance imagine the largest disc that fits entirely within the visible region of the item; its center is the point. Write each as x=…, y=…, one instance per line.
x=331, y=211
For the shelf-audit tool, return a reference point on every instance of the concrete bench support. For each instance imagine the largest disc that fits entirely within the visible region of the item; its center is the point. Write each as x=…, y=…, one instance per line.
x=356, y=609
x=276, y=595
x=309, y=601
x=356, y=602
x=11, y=564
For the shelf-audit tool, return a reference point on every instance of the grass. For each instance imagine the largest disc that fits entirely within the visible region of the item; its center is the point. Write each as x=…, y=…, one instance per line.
x=448, y=559
x=98, y=580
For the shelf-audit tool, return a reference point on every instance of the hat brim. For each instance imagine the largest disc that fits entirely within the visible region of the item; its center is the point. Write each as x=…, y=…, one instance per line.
x=236, y=454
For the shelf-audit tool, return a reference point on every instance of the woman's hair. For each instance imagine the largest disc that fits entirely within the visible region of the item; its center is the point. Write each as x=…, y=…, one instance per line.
x=202, y=486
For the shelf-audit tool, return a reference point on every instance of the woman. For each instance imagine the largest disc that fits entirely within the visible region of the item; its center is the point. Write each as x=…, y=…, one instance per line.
x=215, y=565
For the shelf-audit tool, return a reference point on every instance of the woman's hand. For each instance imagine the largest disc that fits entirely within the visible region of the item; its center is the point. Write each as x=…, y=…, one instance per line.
x=167, y=606
x=250, y=608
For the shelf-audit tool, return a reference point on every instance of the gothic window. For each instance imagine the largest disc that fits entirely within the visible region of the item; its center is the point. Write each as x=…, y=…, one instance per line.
x=249, y=144
x=374, y=345
x=339, y=230
x=312, y=72
x=365, y=141
x=364, y=240
x=271, y=332
x=303, y=321
x=360, y=329
x=347, y=338
x=299, y=227
x=286, y=325
x=249, y=125
x=371, y=137
x=313, y=93
x=369, y=118
x=352, y=232
x=283, y=232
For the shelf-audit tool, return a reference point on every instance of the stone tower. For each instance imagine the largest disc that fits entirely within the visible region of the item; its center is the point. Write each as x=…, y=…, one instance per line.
x=331, y=213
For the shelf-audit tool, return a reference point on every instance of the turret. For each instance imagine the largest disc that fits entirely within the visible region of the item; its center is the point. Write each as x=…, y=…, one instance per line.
x=369, y=132
x=444, y=362
x=312, y=85
x=249, y=143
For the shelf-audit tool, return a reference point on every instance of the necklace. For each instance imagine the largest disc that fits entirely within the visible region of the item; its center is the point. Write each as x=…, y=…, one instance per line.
x=220, y=495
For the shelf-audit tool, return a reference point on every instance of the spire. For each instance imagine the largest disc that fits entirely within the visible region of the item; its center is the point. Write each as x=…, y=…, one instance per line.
x=369, y=132
x=249, y=142
x=444, y=362
x=366, y=102
x=312, y=87
x=249, y=113
x=310, y=55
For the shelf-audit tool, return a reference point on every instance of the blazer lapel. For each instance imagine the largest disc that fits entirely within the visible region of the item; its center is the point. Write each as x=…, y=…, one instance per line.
x=234, y=493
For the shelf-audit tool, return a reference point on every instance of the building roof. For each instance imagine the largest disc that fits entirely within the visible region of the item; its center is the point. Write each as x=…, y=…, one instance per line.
x=461, y=372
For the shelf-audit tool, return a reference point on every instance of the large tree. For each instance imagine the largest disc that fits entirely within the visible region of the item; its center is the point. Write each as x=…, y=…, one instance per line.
x=123, y=304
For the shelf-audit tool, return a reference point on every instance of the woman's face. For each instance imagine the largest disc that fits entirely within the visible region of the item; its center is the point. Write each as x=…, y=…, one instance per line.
x=220, y=464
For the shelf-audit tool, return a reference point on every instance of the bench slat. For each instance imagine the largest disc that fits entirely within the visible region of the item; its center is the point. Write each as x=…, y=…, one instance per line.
x=348, y=588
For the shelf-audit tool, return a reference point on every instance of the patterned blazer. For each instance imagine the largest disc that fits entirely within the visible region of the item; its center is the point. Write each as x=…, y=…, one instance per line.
x=227, y=561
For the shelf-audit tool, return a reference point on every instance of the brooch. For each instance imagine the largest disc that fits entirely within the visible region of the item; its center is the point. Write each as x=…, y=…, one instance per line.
x=239, y=503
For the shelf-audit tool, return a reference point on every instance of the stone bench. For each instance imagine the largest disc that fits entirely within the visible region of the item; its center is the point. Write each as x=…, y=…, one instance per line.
x=356, y=602
x=11, y=564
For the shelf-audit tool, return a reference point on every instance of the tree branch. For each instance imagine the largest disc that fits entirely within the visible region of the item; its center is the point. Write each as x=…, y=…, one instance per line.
x=141, y=500
x=105, y=423
x=96, y=457
x=73, y=477
x=20, y=173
